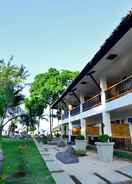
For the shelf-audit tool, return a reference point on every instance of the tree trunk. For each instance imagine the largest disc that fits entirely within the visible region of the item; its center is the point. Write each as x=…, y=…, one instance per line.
x=1, y=129
x=27, y=129
x=50, y=123
x=38, y=125
x=9, y=131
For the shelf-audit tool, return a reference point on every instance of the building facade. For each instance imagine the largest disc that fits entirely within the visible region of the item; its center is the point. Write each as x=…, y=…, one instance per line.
x=99, y=99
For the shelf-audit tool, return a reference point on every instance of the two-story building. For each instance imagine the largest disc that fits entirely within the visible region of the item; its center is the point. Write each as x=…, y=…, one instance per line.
x=102, y=93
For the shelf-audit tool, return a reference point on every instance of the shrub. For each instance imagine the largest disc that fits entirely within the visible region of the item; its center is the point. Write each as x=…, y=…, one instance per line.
x=123, y=154
x=57, y=135
x=45, y=140
x=80, y=153
x=103, y=138
x=80, y=137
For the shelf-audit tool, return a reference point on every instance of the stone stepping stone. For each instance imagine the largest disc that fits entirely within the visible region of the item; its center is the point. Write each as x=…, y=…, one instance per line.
x=47, y=157
x=126, y=171
x=113, y=178
x=68, y=156
x=53, y=166
x=62, y=178
x=89, y=179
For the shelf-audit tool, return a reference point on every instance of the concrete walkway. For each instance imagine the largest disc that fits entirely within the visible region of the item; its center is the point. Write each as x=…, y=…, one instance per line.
x=89, y=170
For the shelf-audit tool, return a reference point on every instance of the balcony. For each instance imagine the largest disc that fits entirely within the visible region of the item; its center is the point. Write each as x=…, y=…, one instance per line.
x=119, y=89
x=92, y=102
x=75, y=111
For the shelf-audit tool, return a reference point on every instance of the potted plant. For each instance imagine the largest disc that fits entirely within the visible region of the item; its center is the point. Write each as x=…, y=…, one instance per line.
x=81, y=143
x=104, y=148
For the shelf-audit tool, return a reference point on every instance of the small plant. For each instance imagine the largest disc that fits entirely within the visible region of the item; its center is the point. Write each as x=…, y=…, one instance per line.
x=80, y=137
x=103, y=138
x=57, y=135
x=80, y=153
x=45, y=140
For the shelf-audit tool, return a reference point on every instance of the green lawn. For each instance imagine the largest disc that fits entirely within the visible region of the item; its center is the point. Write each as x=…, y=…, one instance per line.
x=37, y=172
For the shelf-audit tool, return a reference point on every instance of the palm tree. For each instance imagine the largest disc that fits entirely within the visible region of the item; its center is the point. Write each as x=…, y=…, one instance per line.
x=11, y=86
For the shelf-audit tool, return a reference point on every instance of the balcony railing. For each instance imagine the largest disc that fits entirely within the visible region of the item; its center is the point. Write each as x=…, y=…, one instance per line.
x=92, y=102
x=75, y=111
x=119, y=89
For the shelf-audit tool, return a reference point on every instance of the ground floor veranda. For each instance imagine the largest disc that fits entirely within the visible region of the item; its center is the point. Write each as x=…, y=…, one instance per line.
x=120, y=128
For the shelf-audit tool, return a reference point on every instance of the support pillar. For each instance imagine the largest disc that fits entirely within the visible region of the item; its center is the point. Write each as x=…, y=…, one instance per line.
x=106, y=122
x=70, y=123
x=82, y=120
x=130, y=130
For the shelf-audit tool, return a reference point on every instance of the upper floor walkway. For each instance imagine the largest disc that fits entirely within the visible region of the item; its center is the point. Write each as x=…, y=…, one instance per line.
x=116, y=96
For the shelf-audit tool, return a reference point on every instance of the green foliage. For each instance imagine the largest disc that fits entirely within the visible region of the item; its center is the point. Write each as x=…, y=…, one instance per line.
x=57, y=135
x=80, y=137
x=12, y=78
x=29, y=121
x=103, y=138
x=80, y=153
x=47, y=87
x=45, y=140
x=21, y=166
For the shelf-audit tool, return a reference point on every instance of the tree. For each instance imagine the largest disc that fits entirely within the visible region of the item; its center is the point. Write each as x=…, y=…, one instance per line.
x=46, y=88
x=12, y=78
x=34, y=108
x=28, y=121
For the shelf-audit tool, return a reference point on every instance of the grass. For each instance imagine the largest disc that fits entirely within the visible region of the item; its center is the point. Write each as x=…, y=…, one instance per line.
x=36, y=170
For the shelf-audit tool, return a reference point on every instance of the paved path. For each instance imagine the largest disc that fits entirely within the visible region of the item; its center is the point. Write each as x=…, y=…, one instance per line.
x=89, y=170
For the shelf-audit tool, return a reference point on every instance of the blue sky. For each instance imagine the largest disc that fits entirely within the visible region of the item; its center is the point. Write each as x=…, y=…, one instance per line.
x=56, y=33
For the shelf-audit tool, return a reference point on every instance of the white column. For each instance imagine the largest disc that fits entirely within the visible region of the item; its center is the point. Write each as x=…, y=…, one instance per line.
x=107, y=123
x=62, y=131
x=82, y=120
x=105, y=115
x=130, y=130
x=70, y=124
x=103, y=86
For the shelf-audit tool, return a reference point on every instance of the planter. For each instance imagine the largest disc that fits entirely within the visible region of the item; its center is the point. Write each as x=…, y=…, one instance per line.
x=65, y=140
x=81, y=145
x=105, y=151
